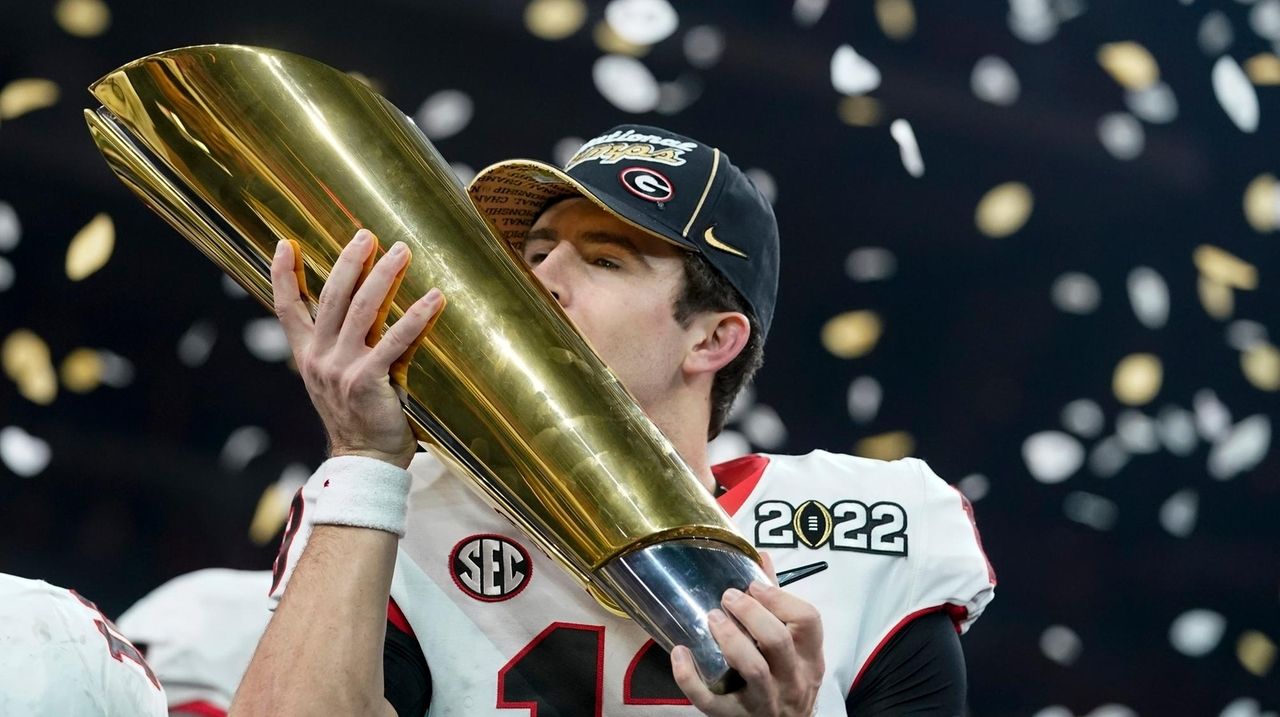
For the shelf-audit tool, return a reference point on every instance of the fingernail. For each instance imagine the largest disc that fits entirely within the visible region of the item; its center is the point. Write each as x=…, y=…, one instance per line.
x=398, y=249
x=363, y=236
x=280, y=247
x=680, y=655
x=433, y=296
x=732, y=595
x=716, y=616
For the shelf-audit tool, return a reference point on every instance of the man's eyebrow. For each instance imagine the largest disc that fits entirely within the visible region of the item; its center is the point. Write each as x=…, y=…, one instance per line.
x=544, y=233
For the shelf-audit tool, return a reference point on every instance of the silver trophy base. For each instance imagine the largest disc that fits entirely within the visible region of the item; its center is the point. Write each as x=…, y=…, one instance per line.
x=669, y=588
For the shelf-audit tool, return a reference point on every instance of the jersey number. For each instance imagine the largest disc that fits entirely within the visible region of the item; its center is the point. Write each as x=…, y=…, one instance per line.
x=119, y=647
x=561, y=672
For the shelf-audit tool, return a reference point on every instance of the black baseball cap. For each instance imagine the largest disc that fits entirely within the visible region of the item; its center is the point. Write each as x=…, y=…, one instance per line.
x=666, y=184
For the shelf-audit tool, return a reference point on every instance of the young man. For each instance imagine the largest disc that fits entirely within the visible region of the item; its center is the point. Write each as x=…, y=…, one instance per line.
x=665, y=257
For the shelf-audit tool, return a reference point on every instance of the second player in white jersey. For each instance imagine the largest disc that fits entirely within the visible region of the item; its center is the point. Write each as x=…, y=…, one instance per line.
x=506, y=631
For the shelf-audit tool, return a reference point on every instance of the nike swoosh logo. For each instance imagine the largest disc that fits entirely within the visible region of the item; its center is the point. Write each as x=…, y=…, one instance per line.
x=711, y=239
x=786, y=577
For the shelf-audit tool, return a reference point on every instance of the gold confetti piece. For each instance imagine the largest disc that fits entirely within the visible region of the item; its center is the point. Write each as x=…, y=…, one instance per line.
x=26, y=95
x=1263, y=69
x=91, y=247
x=611, y=42
x=82, y=370
x=1262, y=203
x=897, y=18
x=270, y=515
x=886, y=446
x=859, y=111
x=852, y=334
x=554, y=19
x=1129, y=64
x=82, y=18
x=1225, y=268
x=26, y=361
x=1216, y=298
x=1004, y=210
x=1261, y=365
x=1137, y=379
x=1256, y=652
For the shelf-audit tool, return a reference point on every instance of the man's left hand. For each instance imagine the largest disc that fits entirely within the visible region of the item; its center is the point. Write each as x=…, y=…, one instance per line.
x=779, y=655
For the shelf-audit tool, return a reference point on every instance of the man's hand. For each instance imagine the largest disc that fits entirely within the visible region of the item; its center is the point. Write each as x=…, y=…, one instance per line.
x=779, y=655
x=345, y=365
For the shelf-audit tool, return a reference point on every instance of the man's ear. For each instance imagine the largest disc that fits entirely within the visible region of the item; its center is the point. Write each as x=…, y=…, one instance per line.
x=717, y=338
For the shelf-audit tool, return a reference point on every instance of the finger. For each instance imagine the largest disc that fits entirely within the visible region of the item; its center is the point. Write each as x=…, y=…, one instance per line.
x=405, y=334
x=772, y=637
x=740, y=651
x=376, y=292
x=400, y=367
x=335, y=297
x=300, y=271
x=688, y=680
x=801, y=618
x=768, y=567
x=380, y=320
x=286, y=299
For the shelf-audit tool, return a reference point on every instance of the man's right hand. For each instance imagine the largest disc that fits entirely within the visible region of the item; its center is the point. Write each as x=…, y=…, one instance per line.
x=349, y=380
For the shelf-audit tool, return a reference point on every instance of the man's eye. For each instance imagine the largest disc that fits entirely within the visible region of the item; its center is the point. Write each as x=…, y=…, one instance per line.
x=535, y=258
x=607, y=264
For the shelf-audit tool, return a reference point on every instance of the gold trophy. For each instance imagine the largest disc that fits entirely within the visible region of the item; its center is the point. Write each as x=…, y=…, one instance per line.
x=240, y=147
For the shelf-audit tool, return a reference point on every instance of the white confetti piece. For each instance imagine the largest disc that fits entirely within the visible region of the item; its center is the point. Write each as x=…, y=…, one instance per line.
x=1092, y=510
x=1083, y=417
x=1235, y=93
x=1052, y=456
x=1179, y=511
x=445, y=114
x=196, y=343
x=974, y=486
x=1196, y=633
x=1137, y=432
x=703, y=46
x=764, y=427
x=642, y=22
x=851, y=73
x=908, y=148
x=23, y=453
x=1177, y=430
x=1121, y=135
x=1155, y=104
x=10, y=227
x=864, y=399
x=626, y=83
x=1076, y=293
x=1149, y=297
x=994, y=80
x=1242, y=448
x=242, y=446
x=1061, y=644
x=870, y=264
x=266, y=339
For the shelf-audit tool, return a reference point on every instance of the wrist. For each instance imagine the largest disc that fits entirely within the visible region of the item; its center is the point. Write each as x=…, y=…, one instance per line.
x=363, y=491
x=399, y=460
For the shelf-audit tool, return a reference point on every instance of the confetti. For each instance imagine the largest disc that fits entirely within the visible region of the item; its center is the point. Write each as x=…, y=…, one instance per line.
x=25, y=95
x=908, y=149
x=1108, y=457
x=1224, y=268
x=1076, y=293
x=1032, y=21
x=1178, y=513
x=1213, y=419
x=870, y=264
x=642, y=22
x=1137, y=432
x=764, y=428
x=1129, y=64
x=1263, y=69
x=1215, y=34
x=1121, y=135
x=1137, y=379
x=886, y=446
x=806, y=13
x=82, y=18
x=1004, y=210
x=1177, y=430
x=1061, y=644
x=554, y=19
x=612, y=43
x=860, y=111
x=864, y=399
x=1091, y=510
x=1155, y=104
x=23, y=453
x=1149, y=297
x=727, y=446
x=232, y=288
x=764, y=182
x=1264, y=19
x=7, y=274
x=564, y=150
x=91, y=248
x=703, y=46
x=1236, y=94
x=463, y=171
x=266, y=339
x=1083, y=417
x=626, y=83
x=1242, y=448
x=196, y=343
x=897, y=19
x=28, y=364
x=1052, y=456
x=1261, y=365
x=444, y=114
x=1262, y=203
x=852, y=334
x=851, y=73
x=273, y=506
x=81, y=370
x=1243, y=334
x=975, y=486
x=1216, y=298
x=10, y=227
x=994, y=80
x=242, y=446
x=1256, y=652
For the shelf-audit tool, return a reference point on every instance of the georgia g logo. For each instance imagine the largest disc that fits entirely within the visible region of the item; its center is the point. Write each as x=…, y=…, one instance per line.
x=489, y=567
x=647, y=184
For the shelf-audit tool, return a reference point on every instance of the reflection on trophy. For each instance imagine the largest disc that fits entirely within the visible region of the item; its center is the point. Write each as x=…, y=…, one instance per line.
x=240, y=147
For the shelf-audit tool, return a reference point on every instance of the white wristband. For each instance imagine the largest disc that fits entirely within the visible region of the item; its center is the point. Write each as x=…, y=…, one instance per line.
x=364, y=493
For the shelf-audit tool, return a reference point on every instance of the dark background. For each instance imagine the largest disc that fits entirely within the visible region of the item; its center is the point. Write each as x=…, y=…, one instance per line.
x=975, y=356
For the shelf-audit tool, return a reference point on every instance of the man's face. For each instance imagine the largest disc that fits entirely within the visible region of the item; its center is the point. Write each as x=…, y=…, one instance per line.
x=618, y=285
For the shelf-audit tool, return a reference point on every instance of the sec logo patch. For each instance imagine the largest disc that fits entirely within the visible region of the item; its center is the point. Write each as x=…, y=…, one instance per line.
x=647, y=184
x=490, y=567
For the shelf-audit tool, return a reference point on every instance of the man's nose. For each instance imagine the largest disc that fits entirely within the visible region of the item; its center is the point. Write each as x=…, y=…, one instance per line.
x=553, y=272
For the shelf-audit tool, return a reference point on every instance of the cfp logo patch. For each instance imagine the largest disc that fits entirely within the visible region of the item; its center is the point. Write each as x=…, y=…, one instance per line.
x=490, y=568
x=852, y=525
x=647, y=184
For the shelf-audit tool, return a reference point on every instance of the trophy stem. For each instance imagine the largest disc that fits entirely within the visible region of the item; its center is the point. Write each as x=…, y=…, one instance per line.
x=668, y=588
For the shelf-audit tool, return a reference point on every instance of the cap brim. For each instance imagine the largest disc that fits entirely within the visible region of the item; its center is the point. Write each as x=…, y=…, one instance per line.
x=513, y=193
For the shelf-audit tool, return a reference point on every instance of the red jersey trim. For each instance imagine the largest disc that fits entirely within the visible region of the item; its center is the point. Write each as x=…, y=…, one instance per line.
x=739, y=476
x=968, y=511
x=396, y=617
x=957, y=613
x=200, y=707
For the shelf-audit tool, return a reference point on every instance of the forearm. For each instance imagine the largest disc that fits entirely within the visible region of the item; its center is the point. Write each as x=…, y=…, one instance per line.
x=322, y=652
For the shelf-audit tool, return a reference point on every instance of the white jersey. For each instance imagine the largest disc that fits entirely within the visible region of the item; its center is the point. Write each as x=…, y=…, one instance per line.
x=200, y=631
x=60, y=656
x=506, y=631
